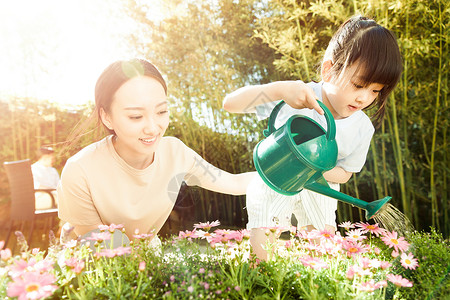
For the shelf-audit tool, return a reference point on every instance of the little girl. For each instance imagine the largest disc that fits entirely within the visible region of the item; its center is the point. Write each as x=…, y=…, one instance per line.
x=360, y=68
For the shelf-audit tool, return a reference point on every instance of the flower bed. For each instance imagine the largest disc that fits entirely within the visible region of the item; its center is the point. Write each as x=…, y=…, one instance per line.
x=365, y=262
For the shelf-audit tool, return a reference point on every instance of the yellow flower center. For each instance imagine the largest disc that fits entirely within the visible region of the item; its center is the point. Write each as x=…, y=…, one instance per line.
x=371, y=227
x=407, y=261
x=32, y=287
x=353, y=250
x=394, y=241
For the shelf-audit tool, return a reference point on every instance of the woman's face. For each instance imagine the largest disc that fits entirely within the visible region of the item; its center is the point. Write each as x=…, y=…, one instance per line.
x=139, y=116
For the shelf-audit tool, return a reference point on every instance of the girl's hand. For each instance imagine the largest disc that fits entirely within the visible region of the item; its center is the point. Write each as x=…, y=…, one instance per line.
x=297, y=95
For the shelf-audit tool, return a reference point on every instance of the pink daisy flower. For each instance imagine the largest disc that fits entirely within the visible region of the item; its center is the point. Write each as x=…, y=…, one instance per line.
x=408, y=261
x=32, y=285
x=365, y=262
x=207, y=225
x=111, y=228
x=5, y=254
x=241, y=235
x=288, y=244
x=354, y=248
x=371, y=285
x=393, y=241
x=399, y=281
x=329, y=247
x=44, y=265
x=71, y=244
x=346, y=225
x=314, y=263
x=350, y=274
x=326, y=234
x=100, y=236
x=375, y=263
x=143, y=236
x=372, y=228
x=21, y=266
x=187, y=235
x=75, y=265
x=355, y=235
x=226, y=233
x=205, y=235
x=355, y=269
x=142, y=266
x=385, y=265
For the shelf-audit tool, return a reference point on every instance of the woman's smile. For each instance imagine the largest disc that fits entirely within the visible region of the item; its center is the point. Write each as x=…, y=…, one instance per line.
x=149, y=141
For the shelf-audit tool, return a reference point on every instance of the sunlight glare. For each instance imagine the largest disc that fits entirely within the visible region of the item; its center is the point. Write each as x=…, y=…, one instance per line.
x=55, y=49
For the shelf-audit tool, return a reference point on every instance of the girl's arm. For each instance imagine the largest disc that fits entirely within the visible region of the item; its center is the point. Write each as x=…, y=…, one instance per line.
x=295, y=93
x=337, y=175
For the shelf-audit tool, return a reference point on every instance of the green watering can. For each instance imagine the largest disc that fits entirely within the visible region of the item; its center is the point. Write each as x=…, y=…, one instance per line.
x=296, y=155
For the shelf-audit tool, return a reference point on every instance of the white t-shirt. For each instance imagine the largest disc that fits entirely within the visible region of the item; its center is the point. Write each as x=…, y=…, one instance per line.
x=44, y=177
x=98, y=187
x=353, y=134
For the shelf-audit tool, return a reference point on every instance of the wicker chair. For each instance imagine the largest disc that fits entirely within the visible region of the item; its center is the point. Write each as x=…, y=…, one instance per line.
x=23, y=204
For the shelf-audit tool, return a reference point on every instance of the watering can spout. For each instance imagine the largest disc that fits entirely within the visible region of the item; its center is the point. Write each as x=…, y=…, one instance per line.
x=372, y=208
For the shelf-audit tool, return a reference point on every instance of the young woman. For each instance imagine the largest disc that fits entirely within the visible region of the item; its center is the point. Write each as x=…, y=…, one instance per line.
x=133, y=175
x=360, y=68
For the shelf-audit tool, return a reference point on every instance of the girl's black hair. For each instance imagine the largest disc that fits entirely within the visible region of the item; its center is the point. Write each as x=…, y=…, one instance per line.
x=375, y=48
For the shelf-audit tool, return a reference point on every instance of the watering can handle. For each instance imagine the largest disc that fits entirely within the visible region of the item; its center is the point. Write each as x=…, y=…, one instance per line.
x=331, y=125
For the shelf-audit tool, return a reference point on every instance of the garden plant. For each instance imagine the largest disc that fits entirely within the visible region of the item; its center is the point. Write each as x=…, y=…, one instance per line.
x=362, y=261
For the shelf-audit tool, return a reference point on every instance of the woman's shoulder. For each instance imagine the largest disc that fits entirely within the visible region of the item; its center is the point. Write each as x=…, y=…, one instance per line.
x=90, y=151
x=175, y=149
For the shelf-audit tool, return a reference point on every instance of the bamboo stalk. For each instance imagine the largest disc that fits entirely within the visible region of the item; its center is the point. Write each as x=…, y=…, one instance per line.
x=383, y=158
x=434, y=201
x=393, y=127
x=302, y=47
x=407, y=156
x=377, y=180
x=355, y=186
x=445, y=193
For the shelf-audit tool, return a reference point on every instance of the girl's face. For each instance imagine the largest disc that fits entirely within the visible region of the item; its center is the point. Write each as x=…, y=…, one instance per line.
x=139, y=116
x=348, y=94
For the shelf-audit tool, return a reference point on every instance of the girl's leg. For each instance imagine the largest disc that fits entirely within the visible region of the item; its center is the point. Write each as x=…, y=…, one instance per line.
x=266, y=208
x=260, y=239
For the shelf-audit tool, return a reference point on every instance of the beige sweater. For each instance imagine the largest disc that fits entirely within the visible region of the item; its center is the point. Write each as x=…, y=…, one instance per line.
x=98, y=187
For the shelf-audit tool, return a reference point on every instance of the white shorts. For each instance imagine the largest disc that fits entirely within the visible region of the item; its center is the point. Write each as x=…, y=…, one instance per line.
x=267, y=208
